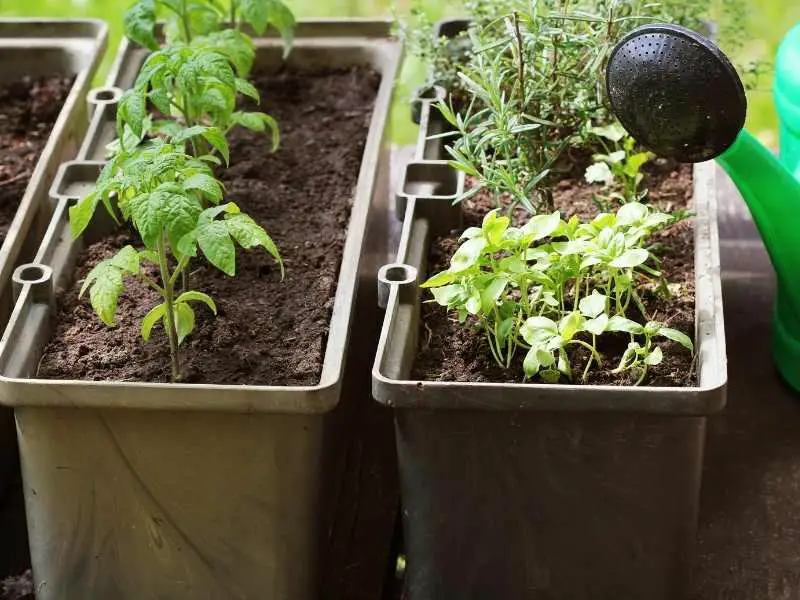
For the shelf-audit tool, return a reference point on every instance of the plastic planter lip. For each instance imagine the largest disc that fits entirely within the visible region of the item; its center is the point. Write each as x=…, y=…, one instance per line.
x=397, y=344
x=342, y=42
x=41, y=47
x=139, y=490
x=44, y=47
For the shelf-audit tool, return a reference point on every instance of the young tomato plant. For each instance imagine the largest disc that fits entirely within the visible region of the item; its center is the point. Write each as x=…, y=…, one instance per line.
x=184, y=20
x=552, y=284
x=193, y=81
x=164, y=194
x=160, y=178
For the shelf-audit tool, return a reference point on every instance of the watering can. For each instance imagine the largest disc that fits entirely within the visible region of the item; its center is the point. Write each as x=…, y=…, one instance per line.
x=676, y=93
x=787, y=99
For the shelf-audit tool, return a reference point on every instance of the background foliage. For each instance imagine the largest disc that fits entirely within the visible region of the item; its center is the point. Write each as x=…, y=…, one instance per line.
x=766, y=21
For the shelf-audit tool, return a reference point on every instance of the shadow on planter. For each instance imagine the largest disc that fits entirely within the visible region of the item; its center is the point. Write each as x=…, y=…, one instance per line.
x=531, y=490
x=137, y=490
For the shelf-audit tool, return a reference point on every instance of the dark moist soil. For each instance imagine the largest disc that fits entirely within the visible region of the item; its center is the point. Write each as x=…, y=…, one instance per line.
x=451, y=352
x=17, y=588
x=28, y=110
x=267, y=332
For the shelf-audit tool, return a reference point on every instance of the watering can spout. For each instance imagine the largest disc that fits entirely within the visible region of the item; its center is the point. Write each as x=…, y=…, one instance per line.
x=679, y=95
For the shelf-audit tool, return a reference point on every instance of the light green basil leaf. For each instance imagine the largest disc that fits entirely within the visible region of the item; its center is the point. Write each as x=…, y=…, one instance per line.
x=677, y=336
x=593, y=304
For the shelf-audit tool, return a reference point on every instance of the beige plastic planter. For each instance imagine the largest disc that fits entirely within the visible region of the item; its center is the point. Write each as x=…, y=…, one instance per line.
x=36, y=48
x=535, y=491
x=182, y=492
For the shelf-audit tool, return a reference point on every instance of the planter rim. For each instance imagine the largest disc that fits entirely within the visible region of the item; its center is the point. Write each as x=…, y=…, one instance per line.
x=707, y=397
x=62, y=35
x=369, y=35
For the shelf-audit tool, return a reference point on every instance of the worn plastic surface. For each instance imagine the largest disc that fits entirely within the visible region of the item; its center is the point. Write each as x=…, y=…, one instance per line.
x=678, y=94
x=786, y=89
x=36, y=48
x=140, y=490
x=536, y=491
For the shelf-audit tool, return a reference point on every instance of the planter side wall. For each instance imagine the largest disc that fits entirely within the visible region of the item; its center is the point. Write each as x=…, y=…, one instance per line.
x=536, y=491
x=548, y=505
x=144, y=504
x=40, y=48
x=185, y=491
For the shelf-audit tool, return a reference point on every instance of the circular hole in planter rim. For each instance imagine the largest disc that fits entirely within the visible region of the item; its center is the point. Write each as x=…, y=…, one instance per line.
x=431, y=93
x=397, y=273
x=32, y=274
x=104, y=95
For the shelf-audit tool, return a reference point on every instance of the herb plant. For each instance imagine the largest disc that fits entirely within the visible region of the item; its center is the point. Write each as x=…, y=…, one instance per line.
x=621, y=164
x=534, y=79
x=160, y=178
x=552, y=284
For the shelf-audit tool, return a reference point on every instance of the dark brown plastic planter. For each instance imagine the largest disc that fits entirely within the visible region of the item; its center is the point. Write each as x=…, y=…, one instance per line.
x=183, y=492
x=30, y=47
x=564, y=492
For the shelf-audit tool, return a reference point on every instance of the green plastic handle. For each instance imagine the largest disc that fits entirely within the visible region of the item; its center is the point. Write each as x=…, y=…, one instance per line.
x=772, y=194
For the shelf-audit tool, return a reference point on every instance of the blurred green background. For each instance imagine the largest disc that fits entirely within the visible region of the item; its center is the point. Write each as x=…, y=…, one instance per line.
x=767, y=22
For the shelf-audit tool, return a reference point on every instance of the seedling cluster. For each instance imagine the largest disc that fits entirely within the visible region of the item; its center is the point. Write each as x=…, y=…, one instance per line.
x=551, y=283
x=172, y=129
x=528, y=104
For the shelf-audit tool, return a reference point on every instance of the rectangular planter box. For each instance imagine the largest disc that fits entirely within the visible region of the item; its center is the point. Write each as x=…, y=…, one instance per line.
x=536, y=491
x=36, y=48
x=138, y=490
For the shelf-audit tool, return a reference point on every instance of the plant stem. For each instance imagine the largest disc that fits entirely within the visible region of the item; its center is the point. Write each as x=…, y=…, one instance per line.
x=169, y=316
x=521, y=66
x=233, y=14
x=187, y=30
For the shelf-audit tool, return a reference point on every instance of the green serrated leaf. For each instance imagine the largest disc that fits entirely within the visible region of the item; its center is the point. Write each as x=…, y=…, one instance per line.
x=151, y=319
x=204, y=183
x=248, y=89
x=80, y=215
x=132, y=111
x=105, y=285
x=217, y=246
x=257, y=121
x=149, y=256
x=140, y=23
x=217, y=140
x=248, y=234
x=182, y=134
x=161, y=100
x=126, y=260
